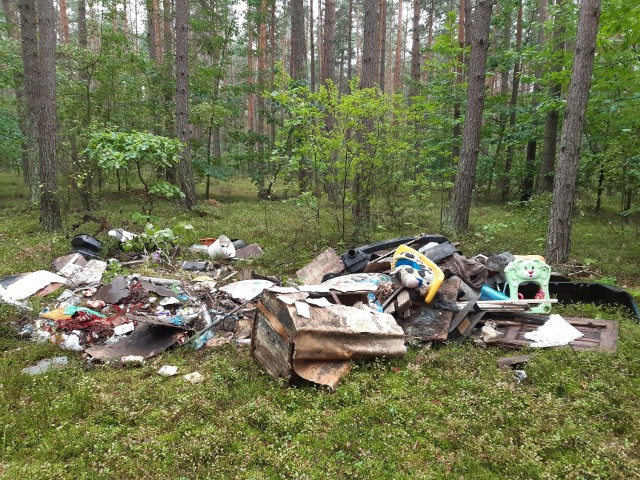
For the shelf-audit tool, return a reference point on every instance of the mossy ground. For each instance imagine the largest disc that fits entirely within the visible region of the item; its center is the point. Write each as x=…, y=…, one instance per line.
x=446, y=412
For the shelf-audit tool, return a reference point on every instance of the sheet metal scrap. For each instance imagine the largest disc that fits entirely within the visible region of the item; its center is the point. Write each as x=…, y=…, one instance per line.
x=317, y=343
x=146, y=341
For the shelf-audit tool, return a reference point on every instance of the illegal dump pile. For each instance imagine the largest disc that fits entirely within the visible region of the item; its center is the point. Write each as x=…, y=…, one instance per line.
x=371, y=301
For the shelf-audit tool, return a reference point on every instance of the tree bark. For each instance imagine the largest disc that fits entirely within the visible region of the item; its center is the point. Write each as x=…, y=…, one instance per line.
x=398, y=60
x=465, y=177
x=312, y=48
x=559, y=232
x=298, y=43
x=547, y=166
x=185, y=171
x=363, y=182
x=350, y=45
x=31, y=68
x=64, y=22
x=415, y=50
x=428, y=52
x=382, y=44
x=455, y=147
x=47, y=122
x=329, y=46
x=151, y=31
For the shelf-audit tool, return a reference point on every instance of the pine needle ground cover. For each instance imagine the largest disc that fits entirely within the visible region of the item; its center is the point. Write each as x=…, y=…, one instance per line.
x=445, y=412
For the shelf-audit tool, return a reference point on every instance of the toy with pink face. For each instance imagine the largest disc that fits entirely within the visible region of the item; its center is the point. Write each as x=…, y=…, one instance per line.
x=529, y=270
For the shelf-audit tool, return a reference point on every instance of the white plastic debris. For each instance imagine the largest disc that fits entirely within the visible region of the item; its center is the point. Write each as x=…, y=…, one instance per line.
x=194, y=377
x=121, y=235
x=124, y=328
x=554, y=333
x=30, y=284
x=222, y=247
x=168, y=370
x=246, y=290
x=72, y=342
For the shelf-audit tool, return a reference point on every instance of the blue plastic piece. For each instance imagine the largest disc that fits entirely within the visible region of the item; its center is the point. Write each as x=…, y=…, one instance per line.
x=488, y=293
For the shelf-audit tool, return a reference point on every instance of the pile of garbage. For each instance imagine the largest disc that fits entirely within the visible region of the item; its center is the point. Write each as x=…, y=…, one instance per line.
x=371, y=301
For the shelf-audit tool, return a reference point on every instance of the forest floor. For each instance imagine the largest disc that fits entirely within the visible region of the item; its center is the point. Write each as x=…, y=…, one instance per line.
x=445, y=412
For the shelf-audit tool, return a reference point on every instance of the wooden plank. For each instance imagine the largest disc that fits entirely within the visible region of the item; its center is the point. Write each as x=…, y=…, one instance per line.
x=327, y=262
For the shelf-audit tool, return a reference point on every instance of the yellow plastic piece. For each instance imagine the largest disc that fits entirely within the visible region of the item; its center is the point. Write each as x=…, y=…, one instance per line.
x=438, y=276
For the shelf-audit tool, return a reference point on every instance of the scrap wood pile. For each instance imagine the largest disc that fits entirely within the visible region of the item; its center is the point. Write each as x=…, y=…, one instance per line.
x=371, y=301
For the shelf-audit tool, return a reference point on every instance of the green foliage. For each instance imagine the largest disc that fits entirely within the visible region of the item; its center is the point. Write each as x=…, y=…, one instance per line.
x=116, y=152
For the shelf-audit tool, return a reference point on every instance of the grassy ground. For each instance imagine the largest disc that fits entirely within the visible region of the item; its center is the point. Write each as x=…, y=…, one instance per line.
x=447, y=412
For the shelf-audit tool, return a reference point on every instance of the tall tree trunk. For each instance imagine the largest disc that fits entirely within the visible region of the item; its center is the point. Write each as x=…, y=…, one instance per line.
x=455, y=146
x=167, y=38
x=547, y=167
x=397, y=75
x=465, y=177
x=157, y=30
x=251, y=125
x=185, y=171
x=151, y=31
x=312, y=48
x=298, y=44
x=350, y=45
x=415, y=50
x=329, y=47
x=29, y=42
x=272, y=66
x=64, y=22
x=363, y=184
x=382, y=44
x=428, y=52
x=505, y=184
x=47, y=122
x=559, y=232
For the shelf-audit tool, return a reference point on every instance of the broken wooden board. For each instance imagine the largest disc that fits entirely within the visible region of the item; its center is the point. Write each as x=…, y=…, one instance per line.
x=327, y=262
x=597, y=334
x=319, y=348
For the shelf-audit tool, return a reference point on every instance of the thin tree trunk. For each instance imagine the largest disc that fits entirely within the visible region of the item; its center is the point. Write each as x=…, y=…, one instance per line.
x=428, y=52
x=185, y=171
x=350, y=45
x=505, y=184
x=157, y=29
x=529, y=174
x=415, y=50
x=398, y=60
x=363, y=183
x=312, y=48
x=455, y=146
x=31, y=68
x=250, y=72
x=64, y=21
x=465, y=178
x=559, y=232
x=547, y=167
x=382, y=44
x=50, y=218
x=329, y=47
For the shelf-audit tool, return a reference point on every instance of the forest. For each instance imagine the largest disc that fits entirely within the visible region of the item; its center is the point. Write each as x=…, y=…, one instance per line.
x=298, y=125
x=369, y=108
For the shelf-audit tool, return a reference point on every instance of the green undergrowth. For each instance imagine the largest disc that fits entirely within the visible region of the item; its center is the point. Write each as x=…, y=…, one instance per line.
x=444, y=412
